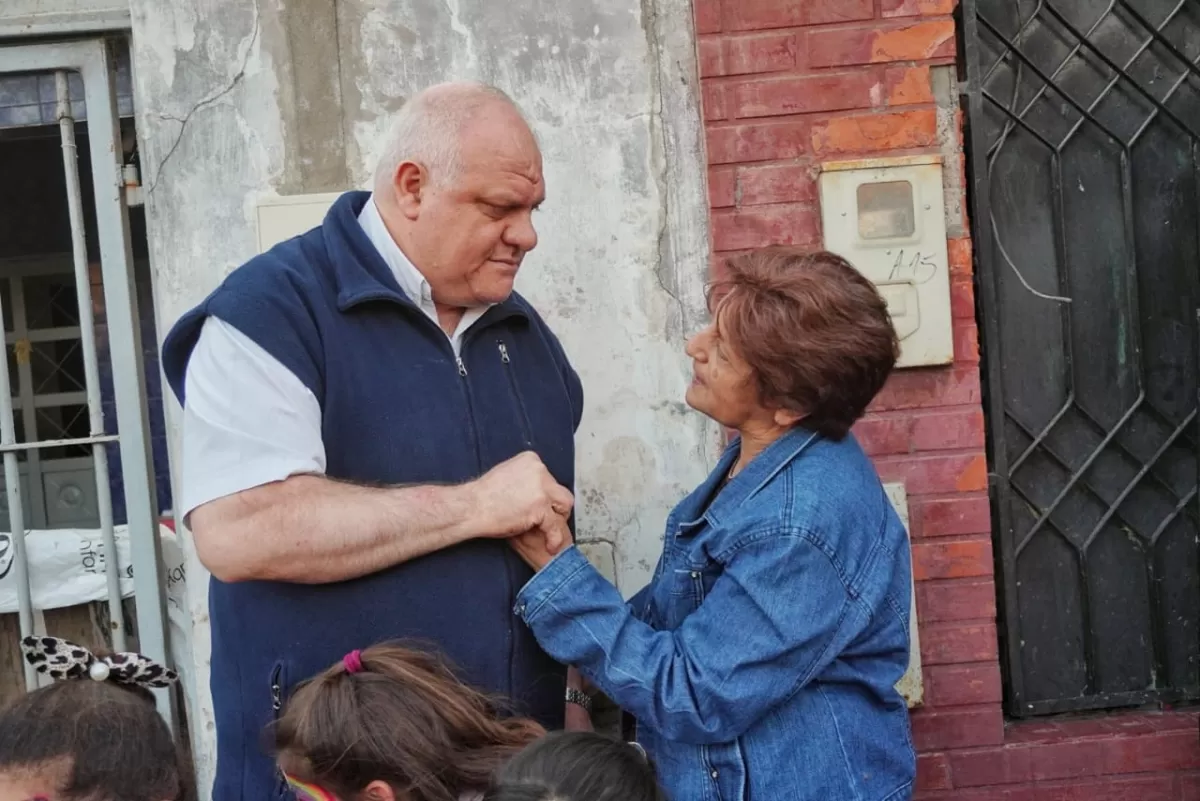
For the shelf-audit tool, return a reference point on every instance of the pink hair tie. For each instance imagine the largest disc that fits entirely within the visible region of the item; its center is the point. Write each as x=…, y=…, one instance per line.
x=353, y=661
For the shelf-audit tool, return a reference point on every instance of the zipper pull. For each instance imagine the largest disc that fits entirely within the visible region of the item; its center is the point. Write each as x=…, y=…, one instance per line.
x=503, y=352
x=462, y=368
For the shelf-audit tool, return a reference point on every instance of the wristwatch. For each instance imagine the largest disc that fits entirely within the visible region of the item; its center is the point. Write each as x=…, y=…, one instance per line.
x=579, y=698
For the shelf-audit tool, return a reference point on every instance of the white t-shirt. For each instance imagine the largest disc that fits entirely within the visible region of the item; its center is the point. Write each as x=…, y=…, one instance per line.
x=247, y=419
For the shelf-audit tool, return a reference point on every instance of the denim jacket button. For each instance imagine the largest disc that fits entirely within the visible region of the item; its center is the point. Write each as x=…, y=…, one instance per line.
x=714, y=774
x=695, y=574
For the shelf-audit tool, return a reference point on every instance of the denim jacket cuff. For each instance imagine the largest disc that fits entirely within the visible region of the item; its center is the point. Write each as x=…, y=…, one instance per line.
x=548, y=581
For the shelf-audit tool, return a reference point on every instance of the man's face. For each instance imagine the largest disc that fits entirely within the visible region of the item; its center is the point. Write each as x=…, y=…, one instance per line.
x=472, y=232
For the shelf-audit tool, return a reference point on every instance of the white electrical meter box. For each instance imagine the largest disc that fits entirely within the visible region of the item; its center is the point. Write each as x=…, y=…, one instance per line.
x=887, y=217
x=281, y=218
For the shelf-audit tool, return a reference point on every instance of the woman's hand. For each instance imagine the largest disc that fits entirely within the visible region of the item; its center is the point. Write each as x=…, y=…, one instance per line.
x=577, y=718
x=538, y=546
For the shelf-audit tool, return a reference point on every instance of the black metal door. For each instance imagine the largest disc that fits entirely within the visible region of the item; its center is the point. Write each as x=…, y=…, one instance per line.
x=1084, y=120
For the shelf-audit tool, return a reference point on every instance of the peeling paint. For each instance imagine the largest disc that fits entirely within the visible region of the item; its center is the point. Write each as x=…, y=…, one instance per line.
x=945, y=93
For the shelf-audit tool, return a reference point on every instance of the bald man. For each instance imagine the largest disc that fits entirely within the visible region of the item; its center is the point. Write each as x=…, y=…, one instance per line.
x=369, y=412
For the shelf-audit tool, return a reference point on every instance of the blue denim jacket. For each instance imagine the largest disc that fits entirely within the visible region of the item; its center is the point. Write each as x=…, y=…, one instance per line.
x=761, y=660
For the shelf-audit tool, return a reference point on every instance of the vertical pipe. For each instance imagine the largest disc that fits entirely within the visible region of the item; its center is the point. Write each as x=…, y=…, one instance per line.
x=16, y=510
x=129, y=378
x=91, y=367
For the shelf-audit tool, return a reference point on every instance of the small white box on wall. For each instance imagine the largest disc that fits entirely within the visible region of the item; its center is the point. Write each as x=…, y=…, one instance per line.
x=278, y=219
x=888, y=218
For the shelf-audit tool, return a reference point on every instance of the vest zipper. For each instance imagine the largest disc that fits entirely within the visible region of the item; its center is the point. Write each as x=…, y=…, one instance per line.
x=528, y=443
x=526, y=428
x=277, y=688
x=276, y=709
x=466, y=386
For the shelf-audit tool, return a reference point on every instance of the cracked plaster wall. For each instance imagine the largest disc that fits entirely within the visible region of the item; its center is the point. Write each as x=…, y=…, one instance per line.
x=35, y=17
x=238, y=100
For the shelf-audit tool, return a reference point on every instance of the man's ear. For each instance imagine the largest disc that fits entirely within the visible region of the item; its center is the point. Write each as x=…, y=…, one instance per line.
x=411, y=181
x=378, y=791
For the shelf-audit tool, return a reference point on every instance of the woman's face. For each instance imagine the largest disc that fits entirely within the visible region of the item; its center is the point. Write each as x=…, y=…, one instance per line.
x=723, y=385
x=724, y=388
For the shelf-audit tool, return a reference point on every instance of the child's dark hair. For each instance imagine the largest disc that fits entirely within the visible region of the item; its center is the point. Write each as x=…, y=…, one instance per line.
x=577, y=766
x=96, y=741
x=399, y=716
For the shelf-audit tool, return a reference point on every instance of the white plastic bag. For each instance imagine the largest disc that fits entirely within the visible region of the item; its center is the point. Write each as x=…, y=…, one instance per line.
x=66, y=568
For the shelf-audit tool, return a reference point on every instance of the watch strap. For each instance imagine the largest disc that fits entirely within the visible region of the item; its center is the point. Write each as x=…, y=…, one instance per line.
x=579, y=698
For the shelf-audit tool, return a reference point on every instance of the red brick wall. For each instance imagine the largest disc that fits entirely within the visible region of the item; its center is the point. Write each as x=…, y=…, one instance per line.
x=787, y=84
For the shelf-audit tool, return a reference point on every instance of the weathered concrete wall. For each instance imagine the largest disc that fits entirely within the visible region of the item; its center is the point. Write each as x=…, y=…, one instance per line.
x=25, y=17
x=291, y=96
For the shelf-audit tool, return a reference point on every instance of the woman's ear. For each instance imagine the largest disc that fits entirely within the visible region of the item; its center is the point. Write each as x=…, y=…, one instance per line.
x=785, y=418
x=379, y=791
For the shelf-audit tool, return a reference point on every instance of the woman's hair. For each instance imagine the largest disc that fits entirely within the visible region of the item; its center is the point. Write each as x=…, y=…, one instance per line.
x=401, y=717
x=815, y=332
x=96, y=741
x=577, y=766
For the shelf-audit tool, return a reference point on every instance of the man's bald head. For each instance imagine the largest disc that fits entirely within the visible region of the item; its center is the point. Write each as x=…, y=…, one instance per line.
x=457, y=188
x=429, y=128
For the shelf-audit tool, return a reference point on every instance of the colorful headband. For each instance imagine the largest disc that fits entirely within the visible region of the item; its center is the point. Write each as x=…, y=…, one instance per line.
x=305, y=791
x=61, y=659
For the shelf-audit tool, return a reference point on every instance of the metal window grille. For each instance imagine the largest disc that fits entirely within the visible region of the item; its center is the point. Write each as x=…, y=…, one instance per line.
x=72, y=413
x=1084, y=120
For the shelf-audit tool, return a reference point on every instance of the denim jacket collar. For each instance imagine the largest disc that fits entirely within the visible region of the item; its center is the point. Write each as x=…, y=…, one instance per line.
x=753, y=477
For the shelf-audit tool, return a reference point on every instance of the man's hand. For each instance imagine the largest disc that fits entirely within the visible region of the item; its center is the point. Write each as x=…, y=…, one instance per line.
x=518, y=496
x=538, y=546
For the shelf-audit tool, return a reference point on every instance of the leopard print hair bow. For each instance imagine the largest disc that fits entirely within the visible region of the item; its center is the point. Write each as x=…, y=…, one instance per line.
x=61, y=659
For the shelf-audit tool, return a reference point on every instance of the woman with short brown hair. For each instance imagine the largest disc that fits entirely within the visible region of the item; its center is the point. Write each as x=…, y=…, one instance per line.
x=761, y=661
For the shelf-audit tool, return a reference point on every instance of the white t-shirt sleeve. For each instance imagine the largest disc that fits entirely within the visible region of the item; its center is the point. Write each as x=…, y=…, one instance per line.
x=247, y=419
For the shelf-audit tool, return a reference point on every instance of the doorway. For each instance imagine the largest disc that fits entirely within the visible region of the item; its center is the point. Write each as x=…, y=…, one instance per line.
x=81, y=422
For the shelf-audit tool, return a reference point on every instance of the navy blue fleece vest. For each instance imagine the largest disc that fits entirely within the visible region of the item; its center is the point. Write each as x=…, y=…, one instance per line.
x=396, y=409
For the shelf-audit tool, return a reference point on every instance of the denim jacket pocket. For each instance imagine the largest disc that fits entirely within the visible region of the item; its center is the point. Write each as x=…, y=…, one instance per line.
x=688, y=587
x=694, y=581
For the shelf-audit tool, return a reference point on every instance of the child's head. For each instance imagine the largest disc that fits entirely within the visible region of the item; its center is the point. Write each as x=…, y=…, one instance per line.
x=577, y=766
x=93, y=736
x=393, y=724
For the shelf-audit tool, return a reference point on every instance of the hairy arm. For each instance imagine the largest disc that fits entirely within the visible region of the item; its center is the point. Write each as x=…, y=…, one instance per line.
x=312, y=530
x=259, y=508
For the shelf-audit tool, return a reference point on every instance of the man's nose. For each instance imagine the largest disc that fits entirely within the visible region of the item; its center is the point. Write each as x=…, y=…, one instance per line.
x=521, y=234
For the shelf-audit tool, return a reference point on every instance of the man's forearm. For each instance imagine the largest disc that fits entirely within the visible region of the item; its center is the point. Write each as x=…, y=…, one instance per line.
x=313, y=530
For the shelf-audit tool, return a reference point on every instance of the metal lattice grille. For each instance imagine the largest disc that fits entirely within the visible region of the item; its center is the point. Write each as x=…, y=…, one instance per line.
x=1085, y=125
